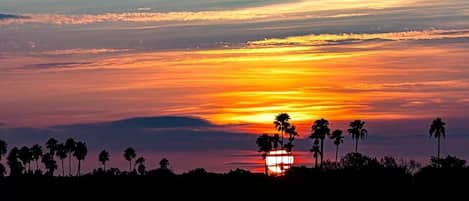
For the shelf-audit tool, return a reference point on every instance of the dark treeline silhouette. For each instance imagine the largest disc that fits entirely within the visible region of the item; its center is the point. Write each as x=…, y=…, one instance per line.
x=353, y=171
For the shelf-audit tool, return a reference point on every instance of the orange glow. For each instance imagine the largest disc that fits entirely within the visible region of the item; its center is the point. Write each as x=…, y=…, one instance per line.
x=279, y=161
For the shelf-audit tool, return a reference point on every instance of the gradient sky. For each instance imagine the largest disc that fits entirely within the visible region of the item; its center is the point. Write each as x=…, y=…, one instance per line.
x=238, y=63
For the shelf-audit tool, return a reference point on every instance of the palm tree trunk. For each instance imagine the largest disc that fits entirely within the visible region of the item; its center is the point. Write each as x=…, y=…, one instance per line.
x=104, y=166
x=265, y=166
x=356, y=145
x=63, y=169
x=315, y=161
x=37, y=165
x=336, y=153
x=130, y=165
x=70, y=163
x=322, y=151
x=438, y=156
x=78, y=170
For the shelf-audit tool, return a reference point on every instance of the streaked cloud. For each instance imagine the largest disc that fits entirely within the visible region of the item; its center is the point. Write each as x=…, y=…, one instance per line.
x=82, y=51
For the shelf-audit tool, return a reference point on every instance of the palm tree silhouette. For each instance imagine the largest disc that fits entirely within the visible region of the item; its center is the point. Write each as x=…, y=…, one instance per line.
x=70, y=145
x=292, y=133
x=140, y=163
x=437, y=129
x=164, y=163
x=2, y=171
x=319, y=130
x=338, y=139
x=36, y=152
x=16, y=168
x=357, y=131
x=282, y=124
x=61, y=152
x=49, y=163
x=315, y=149
x=25, y=156
x=80, y=154
x=264, y=142
x=51, y=144
x=130, y=154
x=103, y=158
x=3, y=148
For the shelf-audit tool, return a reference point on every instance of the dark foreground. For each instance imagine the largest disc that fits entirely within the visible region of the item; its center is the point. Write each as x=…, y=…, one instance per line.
x=240, y=184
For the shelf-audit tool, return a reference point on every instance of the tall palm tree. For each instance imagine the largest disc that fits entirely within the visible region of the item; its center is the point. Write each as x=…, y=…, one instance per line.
x=16, y=168
x=338, y=139
x=357, y=131
x=80, y=154
x=140, y=163
x=164, y=163
x=315, y=149
x=103, y=158
x=130, y=154
x=264, y=142
x=36, y=151
x=319, y=130
x=70, y=146
x=437, y=129
x=49, y=163
x=51, y=144
x=3, y=148
x=61, y=152
x=25, y=156
x=282, y=123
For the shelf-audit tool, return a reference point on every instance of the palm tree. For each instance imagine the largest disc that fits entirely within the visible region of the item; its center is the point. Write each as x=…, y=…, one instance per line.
x=80, y=154
x=130, y=154
x=61, y=152
x=3, y=148
x=36, y=152
x=292, y=133
x=264, y=142
x=2, y=170
x=140, y=163
x=16, y=168
x=103, y=158
x=437, y=129
x=338, y=139
x=25, y=156
x=70, y=145
x=164, y=163
x=357, y=131
x=315, y=149
x=319, y=130
x=282, y=123
x=51, y=144
x=49, y=163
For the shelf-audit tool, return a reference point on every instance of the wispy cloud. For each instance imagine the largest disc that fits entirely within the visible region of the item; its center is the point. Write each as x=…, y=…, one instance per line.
x=82, y=51
x=284, y=11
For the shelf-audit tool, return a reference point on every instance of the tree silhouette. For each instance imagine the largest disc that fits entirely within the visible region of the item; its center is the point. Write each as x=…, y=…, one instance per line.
x=25, y=156
x=315, y=149
x=437, y=129
x=164, y=163
x=292, y=133
x=70, y=145
x=80, y=154
x=49, y=163
x=130, y=154
x=319, y=130
x=140, y=163
x=61, y=152
x=51, y=144
x=36, y=152
x=264, y=142
x=282, y=123
x=3, y=148
x=338, y=139
x=16, y=167
x=2, y=171
x=357, y=131
x=103, y=158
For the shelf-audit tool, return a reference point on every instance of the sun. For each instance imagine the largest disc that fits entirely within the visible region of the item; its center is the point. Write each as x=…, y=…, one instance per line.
x=279, y=161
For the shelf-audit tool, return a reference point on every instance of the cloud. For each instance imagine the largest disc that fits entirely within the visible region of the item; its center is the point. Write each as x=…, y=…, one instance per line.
x=290, y=10
x=56, y=65
x=322, y=39
x=6, y=16
x=81, y=51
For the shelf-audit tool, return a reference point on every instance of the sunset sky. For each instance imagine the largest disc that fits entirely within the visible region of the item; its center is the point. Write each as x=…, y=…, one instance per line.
x=396, y=64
